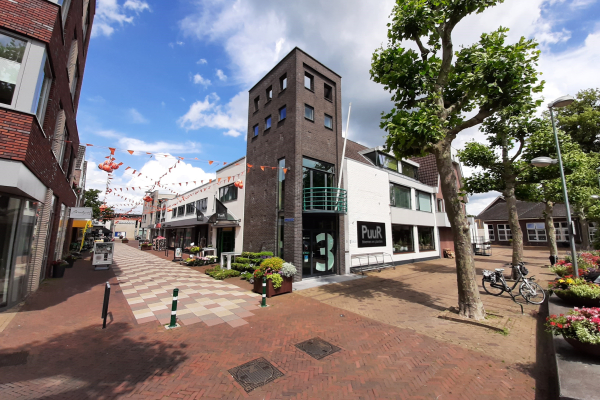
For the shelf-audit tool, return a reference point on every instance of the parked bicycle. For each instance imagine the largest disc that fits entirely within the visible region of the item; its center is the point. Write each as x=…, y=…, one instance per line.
x=495, y=284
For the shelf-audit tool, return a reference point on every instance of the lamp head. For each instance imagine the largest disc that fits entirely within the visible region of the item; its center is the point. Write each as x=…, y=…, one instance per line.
x=542, y=162
x=562, y=101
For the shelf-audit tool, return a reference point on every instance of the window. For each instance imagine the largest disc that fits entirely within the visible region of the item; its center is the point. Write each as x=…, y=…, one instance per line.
x=318, y=175
x=280, y=227
x=61, y=145
x=269, y=93
x=255, y=130
x=328, y=121
x=402, y=239
x=174, y=214
x=399, y=196
x=440, y=205
x=504, y=232
x=282, y=113
x=228, y=193
x=309, y=112
x=283, y=82
x=409, y=170
x=11, y=55
x=44, y=85
x=64, y=10
x=281, y=185
x=256, y=103
x=426, y=238
x=592, y=227
x=86, y=20
x=536, y=232
x=267, y=122
x=423, y=201
x=328, y=92
x=386, y=161
x=491, y=234
x=309, y=81
x=74, y=82
x=189, y=208
x=180, y=211
x=157, y=217
x=562, y=231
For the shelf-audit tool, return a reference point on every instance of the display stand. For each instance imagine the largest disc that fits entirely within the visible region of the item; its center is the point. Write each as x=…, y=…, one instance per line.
x=103, y=255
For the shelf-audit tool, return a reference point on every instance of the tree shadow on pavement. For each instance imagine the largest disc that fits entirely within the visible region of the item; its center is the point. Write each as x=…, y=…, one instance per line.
x=87, y=363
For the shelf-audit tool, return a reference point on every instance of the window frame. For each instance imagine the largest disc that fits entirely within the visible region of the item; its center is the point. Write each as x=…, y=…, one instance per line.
x=268, y=122
x=380, y=155
x=255, y=130
x=180, y=211
x=433, y=244
x=269, y=93
x=19, y=81
x=592, y=229
x=418, y=205
x=534, y=232
x=393, y=197
x=325, y=86
x=44, y=95
x=282, y=82
x=256, y=103
x=504, y=231
x=312, y=111
x=222, y=193
x=64, y=11
x=280, y=185
x=439, y=205
x=284, y=109
x=190, y=208
x=411, y=247
x=491, y=233
x=325, y=121
x=75, y=81
x=174, y=212
x=311, y=81
x=404, y=164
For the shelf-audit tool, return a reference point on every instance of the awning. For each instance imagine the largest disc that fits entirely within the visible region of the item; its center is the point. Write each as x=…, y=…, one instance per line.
x=79, y=223
x=230, y=220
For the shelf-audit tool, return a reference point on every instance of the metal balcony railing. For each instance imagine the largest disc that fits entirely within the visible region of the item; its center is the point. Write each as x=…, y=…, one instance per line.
x=325, y=199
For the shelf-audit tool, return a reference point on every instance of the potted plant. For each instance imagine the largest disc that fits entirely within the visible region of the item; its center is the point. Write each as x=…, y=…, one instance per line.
x=146, y=246
x=279, y=276
x=576, y=291
x=580, y=328
x=70, y=259
x=58, y=268
x=194, y=250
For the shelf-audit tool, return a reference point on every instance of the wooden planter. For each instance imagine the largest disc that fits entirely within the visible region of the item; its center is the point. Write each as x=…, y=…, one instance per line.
x=286, y=287
x=146, y=248
x=124, y=241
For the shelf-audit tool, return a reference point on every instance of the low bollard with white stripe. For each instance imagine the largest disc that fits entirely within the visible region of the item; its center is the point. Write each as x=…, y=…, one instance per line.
x=264, y=298
x=173, y=323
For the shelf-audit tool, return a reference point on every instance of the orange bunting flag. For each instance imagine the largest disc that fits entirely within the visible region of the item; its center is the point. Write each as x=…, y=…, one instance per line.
x=210, y=162
x=120, y=164
x=195, y=158
x=210, y=181
x=134, y=171
x=261, y=167
x=219, y=181
x=130, y=151
x=166, y=155
x=194, y=182
x=180, y=184
x=237, y=163
x=127, y=168
x=87, y=144
x=272, y=168
x=285, y=171
x=228, y=178
x=148, y=153
x=249, y=166
x=112, y=150
x=127, y=189
x=139, y=174
x=224, y=163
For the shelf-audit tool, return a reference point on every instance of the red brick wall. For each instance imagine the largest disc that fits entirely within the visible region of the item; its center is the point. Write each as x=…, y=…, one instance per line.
x=14, y=134
x=33, y=18
x=446, y=239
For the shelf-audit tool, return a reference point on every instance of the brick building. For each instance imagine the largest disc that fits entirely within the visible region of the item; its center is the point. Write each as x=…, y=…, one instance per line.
x=43, y=49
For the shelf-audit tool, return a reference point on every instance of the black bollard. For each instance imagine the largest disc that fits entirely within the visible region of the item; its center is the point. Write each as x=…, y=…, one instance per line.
x=105, y=305
x=553, y=260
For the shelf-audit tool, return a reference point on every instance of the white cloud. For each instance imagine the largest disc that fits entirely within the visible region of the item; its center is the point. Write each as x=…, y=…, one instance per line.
x=208, y=113
x=477, y=203
x=198, y=79
x=221, y=75
x=137, y=117
x=160, y=147
x=201, y=61
x=178, y=43
x=109, y=13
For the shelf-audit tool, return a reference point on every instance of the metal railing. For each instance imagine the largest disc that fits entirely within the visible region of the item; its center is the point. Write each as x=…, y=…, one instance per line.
x=325, y=199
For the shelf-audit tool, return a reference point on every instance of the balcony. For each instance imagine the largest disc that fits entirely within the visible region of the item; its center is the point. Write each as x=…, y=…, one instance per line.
x=325, y=199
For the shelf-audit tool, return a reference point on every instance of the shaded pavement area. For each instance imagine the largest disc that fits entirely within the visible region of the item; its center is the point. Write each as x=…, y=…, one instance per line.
x=54, y=348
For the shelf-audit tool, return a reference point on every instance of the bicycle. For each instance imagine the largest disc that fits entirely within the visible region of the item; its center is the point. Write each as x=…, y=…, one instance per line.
x=495, y=284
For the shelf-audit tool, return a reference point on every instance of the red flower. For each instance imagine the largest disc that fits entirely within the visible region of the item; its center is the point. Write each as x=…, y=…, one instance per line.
x=560, y=326
x=552, y=323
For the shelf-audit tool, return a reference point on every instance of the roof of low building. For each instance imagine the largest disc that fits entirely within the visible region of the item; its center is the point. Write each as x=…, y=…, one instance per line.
x=497, y=211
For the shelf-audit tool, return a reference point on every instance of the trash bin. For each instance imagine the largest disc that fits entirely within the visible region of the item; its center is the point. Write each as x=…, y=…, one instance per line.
x=58, y=271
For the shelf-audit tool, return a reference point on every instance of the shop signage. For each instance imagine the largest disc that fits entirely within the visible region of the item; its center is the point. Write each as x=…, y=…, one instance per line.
x=103, y=255
x=178, y=252
x=81, y=213
x=199, y=215
x=288, y=220
x=371, y=234
x=221, y=211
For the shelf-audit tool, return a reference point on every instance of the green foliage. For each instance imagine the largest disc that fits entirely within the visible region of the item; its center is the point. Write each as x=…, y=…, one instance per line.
x=276, y=279
x=242, y=267
x=91, y=199
x=248, y=254
x=242, y=260
x=274, y=263
x=195, y=250
x=581, y=120
x=220, y=274
x=246, y=276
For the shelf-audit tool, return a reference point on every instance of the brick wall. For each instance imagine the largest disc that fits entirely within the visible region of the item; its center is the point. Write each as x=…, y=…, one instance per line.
x=14, y=134
x=33, y=18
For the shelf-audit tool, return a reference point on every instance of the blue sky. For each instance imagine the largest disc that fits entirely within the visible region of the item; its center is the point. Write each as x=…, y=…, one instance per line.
x=172, y=77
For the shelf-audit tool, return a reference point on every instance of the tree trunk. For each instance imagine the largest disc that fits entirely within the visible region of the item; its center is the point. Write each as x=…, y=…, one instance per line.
x=469, y=301
x=515, y=228
x=550, y=230
x=585, y=232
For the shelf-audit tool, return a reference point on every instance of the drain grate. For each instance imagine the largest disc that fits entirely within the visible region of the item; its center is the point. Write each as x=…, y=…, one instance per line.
x=255, y=373
x=317, y=348
x=12, y=359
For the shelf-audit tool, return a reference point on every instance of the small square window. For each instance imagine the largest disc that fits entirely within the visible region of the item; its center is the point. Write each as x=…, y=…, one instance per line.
x=283, y=82
x=309, y=81
x=256, y=103
x=328, y=122
x=255, y=130
x=328, y=91
x=282, y=113
x=267, y=122
x=309, y=112
x=269, y=93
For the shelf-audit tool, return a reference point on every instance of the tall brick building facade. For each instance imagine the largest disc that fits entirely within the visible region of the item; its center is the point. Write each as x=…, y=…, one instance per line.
x=43, y=49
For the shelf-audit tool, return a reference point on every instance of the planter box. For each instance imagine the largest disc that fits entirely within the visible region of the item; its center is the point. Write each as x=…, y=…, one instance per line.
x=124, y=241
x=286, y=287
x=58, y=271
x=145, y=248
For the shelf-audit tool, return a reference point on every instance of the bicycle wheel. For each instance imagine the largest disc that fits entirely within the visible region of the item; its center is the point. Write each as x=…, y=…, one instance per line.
x=533, y=293
x=490, y=289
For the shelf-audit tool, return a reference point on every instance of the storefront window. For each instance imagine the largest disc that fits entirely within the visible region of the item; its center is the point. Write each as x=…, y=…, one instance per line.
x=402, y=238
x=426, y=238
x=9, y=214
x=22, y=255
x=188, y=237
x=60, y=235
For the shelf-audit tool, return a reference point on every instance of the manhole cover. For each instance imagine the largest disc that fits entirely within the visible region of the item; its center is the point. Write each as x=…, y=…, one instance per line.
x=255, y=373
x=317, y=348
x=12, y=359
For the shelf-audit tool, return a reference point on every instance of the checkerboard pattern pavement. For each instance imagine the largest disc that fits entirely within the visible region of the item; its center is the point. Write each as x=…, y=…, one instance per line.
x=148, y=281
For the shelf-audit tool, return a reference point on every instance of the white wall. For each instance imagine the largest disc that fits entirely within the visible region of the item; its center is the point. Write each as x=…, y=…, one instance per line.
x=369, y=200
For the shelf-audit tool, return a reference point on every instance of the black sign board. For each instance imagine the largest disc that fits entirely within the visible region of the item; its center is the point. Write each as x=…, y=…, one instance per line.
x=199, y=215
x=371, y=234
x=221, y=211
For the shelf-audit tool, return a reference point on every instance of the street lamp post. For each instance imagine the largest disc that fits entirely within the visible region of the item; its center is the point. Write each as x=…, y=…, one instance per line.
x=545, y=161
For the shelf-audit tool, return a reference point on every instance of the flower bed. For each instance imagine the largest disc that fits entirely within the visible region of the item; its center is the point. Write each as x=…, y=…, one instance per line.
x=279, y=276
x=578, y=292
x=200, y=261
x=220, y=274
x=581, y=328
x=585, y=261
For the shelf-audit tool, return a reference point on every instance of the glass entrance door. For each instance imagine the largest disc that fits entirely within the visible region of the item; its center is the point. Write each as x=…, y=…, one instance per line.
x=318, y=252
x=225, y=240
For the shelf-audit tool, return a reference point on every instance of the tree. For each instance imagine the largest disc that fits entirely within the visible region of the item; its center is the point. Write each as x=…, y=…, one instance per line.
x=91, y=199
x=434, y=90
x=503, y=168
x=581, y=120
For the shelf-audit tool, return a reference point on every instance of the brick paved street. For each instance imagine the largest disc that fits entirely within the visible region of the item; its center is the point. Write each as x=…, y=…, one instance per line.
x=55, y=348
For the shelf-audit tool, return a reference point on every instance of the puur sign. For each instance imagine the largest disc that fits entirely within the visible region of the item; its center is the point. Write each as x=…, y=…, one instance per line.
x=371, y=234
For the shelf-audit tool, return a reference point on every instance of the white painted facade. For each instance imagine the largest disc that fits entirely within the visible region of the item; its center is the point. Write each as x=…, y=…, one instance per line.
x=368, y=190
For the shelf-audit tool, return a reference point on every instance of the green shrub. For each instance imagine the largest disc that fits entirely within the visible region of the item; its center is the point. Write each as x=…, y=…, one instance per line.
x=276, y=279
x=220, y=274
x=246, y=276
x=242, y=260
x=275, y=263
x=249, y=254
x=265, y=253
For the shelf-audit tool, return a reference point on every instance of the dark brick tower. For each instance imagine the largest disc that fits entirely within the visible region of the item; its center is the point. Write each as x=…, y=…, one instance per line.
x=294, y=117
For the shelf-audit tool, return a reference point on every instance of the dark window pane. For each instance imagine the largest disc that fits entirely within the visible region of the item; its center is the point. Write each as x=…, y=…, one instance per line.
x=409, y=170
x=11, y=48
x=323, y=166
x=282, y=113
x=328, y=92
x=399, y=196
x=426, y=239
x=6, y=92
x=402, y=238
x=328, y=122
x=309, y=113
x=268, y=122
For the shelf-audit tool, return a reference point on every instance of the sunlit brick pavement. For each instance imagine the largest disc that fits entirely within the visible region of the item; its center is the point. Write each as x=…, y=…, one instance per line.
x=148, y=282
x=69, y=356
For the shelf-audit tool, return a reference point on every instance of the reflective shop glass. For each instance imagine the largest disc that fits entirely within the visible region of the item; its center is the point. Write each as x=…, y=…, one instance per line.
x=11, y=56
x=426, y=238
x=387, y=162
x=9, y=216
x=402, y=238
x=400, y=196
x=423, y=201
x=23, y=246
